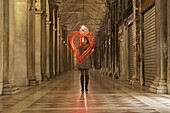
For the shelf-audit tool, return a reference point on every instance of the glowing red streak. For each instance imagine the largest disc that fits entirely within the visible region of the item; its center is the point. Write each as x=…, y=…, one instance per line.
x=86, y=51
x=71, y=37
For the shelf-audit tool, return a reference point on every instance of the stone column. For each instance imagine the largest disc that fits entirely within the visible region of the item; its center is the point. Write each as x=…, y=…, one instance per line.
x=110, y=59
x=124, y=73
x=1, y=44
x=141, y=45
x=116, y=41
x=126, y=61
x=58, y=46
x=48, y=48
x=56, y=36
x=135, y=77
x=63, y=55
x=112, y=41
x=124, y=54
x=51, y=16
x=21, y=40
x=31, y=43
x=38, y=37
x=68, y=55
x=48, y=23
x=52, y=32
x=168, y=36
x=61, y=49
x=160, y=84
x=8, y=48
x=105, y=56
x=43, y=41
x=53, y=40
x=38, y=15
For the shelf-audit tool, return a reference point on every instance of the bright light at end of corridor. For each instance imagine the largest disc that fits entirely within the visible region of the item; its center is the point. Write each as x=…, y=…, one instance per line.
x=83, y=27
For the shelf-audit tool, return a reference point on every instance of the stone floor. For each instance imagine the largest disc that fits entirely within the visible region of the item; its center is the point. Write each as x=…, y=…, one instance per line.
x=63, y=95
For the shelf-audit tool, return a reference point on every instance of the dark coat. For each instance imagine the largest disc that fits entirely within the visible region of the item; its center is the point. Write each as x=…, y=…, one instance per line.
x=87, y=64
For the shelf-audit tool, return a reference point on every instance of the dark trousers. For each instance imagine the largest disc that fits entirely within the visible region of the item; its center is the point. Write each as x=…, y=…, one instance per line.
x=84, y=72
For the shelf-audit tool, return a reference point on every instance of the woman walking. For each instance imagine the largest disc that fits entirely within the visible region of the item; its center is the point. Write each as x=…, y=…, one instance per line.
x=86, y=65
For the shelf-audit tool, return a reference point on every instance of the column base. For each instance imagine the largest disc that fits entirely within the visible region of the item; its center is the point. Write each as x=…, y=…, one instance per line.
x=102, y=70
x=33, y=83
x=168, y=86
x=134, y=81
x=38, y=77
x=122, y=77
x=106, y=71
x=48, y=75
x=57, y=74
x=1, y=87
x=46, y=78
x=115, y=75
x=158, y=87
x=109, y=73
x=52, y=75
x=10, y=89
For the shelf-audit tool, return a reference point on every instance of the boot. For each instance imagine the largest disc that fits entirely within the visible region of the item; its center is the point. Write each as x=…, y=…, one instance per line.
x=86, y=89
x=82, y=84
x=86, y=84
x=82, y=87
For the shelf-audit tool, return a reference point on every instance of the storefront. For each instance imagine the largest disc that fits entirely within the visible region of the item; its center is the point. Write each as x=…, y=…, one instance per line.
x=149, y=46
x=131, y=50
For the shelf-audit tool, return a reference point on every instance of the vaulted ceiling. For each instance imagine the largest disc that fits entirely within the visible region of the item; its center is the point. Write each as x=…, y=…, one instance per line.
x=73, y=15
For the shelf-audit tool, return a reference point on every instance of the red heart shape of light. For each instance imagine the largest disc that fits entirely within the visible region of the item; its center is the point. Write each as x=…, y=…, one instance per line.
x=88, y=50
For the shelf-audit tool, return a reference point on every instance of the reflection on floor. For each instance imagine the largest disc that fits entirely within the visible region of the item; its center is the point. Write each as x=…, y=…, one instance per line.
x=63, y=95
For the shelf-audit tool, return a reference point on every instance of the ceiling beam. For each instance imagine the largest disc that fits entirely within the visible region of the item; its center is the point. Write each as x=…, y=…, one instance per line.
x=81, y=3
x=82, y=12
x=91, y=19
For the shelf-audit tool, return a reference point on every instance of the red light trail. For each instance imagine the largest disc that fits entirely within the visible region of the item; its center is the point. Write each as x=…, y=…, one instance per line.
x=89, y=50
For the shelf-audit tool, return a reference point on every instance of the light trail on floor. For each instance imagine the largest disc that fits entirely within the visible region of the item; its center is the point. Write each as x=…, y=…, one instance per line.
x=85, y=101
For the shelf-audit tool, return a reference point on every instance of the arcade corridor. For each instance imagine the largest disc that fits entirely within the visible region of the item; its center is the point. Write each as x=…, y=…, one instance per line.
x=125, y=44
x=63, y=95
